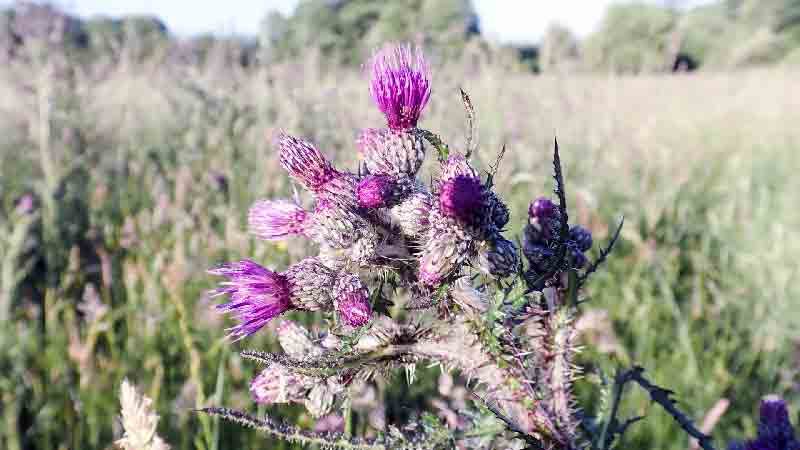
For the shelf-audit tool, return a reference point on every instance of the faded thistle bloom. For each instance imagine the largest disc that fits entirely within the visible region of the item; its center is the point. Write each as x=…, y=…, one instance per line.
x=296, y=341
x=276, y=219
x=775, y=431
x=400, y=85
x=139, y=421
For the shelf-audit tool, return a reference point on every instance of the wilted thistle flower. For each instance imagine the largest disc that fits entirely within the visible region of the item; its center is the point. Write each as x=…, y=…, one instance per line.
x=139, y=421
x=352, y=301
x=412, y=214
x=775, y=431
x=461, y=198
x=277, y=384
x=276, y=219
x=304, y=163
x=400, y=85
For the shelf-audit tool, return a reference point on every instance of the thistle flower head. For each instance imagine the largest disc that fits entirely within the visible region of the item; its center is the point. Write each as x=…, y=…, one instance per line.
x=277, y=384
x=352, y=301
x=412, y=214
x=256, y=295
x=375, y=191
x=498, y=257
x=441, y=256
x=309, y=284
x=391, y=152
x=461, y=197
x=276, y=219
x=296, y=340
x=582, y=237
x=304, y=162
x=541, y=208
x=400, y=84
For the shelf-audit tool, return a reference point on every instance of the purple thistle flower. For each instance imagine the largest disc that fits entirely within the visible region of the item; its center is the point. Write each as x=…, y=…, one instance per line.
x=461, y=197
x=375, y=191
x=541, y=208
x=582, y=237
x=304, y=162
x=276, y=219
x=352, y=301
x=400, y=85
x=257, y=295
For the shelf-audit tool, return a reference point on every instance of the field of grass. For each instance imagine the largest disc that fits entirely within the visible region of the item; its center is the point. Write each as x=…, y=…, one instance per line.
x=143, y=174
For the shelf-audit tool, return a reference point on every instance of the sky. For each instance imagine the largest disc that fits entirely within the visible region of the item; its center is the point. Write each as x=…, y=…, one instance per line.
x=518, y=21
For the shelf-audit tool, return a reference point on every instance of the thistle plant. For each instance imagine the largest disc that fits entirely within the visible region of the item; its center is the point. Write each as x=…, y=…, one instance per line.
x=412, y=273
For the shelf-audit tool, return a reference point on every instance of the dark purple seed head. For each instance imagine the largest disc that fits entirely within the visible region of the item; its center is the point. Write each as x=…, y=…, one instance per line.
x=582, y=237
x=461, y=197
x=541, y=208
x=374, y=191
x=400, y=85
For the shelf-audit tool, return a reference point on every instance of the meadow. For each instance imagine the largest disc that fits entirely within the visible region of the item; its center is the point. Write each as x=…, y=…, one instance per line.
x=121, y=185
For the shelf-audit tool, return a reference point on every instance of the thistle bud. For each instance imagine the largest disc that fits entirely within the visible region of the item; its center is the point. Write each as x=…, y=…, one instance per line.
x=541, y=208
x=400, y=85
x=498, y=257
x=461, y=198
x=304, y=163
x=774, y=424
x=495, y=210
x=441, y=256
x=582, y=237
x=319, y=401
x=276, y=384
x=389, y=152
x=412, y=214
x=296, y=340
x=352, y=301
x=538, y=255
x=332, y=225
x=276, y=219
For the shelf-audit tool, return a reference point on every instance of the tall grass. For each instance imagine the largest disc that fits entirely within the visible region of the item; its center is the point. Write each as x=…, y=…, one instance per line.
x=143, y=177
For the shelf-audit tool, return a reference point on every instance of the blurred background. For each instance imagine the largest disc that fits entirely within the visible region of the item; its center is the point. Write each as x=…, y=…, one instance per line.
x=133, y=139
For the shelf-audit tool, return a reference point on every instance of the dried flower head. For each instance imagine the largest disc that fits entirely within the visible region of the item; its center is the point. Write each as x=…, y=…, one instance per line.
x=304, y=162
x=276, y=219
x=256, y=294
x=400, y=84
x=139, y=421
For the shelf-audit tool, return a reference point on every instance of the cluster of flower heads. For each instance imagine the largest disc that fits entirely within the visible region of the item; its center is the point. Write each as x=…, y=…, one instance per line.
x=542, y=234
x=381, y=217
x=775, y=430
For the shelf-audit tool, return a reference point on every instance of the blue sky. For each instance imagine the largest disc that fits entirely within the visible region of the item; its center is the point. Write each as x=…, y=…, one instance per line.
x=502, y=20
